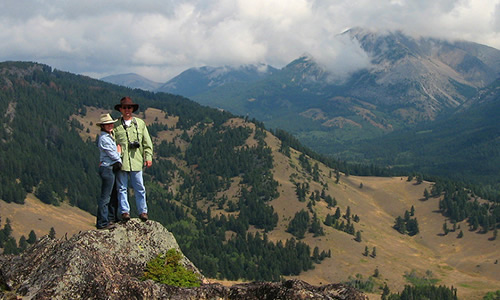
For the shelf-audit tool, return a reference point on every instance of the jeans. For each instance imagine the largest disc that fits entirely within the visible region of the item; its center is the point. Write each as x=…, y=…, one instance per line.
x=105, y=205
x=139, y=191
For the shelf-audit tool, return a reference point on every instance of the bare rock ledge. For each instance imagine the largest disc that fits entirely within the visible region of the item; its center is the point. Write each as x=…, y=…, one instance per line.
x=107, y=264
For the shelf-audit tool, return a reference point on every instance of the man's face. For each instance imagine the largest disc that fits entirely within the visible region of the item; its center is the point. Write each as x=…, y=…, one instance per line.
x=126, y=111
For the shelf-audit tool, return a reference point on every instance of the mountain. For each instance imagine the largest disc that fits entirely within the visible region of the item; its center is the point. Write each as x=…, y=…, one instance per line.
x=463, y=145
x=133, y=81
x=199, y=80
x=427, y=73
x=243, y=202
x=409, y=81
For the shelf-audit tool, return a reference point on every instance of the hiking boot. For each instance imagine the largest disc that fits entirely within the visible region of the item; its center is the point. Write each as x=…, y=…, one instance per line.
x=143, y=217
x=109, y=226
x=125, y=217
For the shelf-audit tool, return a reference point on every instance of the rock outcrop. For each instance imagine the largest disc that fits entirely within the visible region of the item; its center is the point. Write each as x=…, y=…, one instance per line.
x=108, y=264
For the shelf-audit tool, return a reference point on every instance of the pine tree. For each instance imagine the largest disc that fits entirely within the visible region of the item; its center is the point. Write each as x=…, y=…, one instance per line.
x=315, y=255
x=486, y=225
x=328, y=220
x=337, y=213
x=426, y=194
x=7, y=229
x=316, y=228
x=347, y=215
x=385, y=292
x=31, y=237
x=419, y=178
x=23, y=244
x=445, y=228
x=299, y=224
x=10, y=246
x=52, y=233
x=358, y=237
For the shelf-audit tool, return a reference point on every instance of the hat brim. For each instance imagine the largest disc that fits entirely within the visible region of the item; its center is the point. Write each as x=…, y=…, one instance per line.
x=107, y=122
x=136, y=107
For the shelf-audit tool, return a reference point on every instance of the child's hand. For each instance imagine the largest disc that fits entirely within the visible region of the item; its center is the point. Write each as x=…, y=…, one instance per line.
x=119, y=148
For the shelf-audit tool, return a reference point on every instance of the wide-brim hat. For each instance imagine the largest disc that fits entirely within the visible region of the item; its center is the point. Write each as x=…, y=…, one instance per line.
x=127, y=102
x=105, y=119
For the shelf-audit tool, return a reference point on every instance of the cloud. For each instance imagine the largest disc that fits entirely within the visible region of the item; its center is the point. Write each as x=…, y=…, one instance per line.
x=496, y=18
x=161, y=39
x=341, y=56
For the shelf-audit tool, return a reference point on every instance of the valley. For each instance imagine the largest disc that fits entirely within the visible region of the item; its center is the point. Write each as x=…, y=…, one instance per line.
x=210, y=163
x=468, y=263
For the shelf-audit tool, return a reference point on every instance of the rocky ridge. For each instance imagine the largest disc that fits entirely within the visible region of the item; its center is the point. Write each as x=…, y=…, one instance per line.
x=108, y=264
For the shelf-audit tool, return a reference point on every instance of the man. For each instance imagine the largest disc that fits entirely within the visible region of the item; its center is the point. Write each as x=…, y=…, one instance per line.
x=137, y=151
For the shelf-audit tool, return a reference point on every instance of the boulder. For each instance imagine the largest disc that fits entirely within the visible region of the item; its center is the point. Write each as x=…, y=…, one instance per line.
x=108, y=264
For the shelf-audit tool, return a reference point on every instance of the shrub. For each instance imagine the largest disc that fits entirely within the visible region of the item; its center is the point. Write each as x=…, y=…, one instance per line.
x=166, y=269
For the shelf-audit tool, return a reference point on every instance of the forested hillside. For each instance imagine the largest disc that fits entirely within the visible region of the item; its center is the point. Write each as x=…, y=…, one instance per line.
x=43, y=152
x=244, y=202
x=463, y=146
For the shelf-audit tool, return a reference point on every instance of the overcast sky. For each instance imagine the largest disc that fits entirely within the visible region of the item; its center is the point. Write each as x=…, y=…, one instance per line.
x=159, y=39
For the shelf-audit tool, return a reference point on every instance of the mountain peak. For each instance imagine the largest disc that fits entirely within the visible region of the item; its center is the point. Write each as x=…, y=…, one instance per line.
x=132, y=80
x=202, y=79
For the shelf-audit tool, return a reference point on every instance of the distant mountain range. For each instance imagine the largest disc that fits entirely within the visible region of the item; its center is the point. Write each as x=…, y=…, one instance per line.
x=196, y=81
x=410, y=83
x=133, y=80
x=409, y=80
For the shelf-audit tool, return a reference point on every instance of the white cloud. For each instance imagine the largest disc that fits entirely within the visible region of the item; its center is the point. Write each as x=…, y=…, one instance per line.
x=341, y=55
x=159, y=39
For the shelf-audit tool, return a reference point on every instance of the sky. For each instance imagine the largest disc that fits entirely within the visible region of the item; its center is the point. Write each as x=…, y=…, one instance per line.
x=160, y=39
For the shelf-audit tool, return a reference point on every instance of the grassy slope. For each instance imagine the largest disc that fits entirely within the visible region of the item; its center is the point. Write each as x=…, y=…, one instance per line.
x=466, y=263
x=40, y=217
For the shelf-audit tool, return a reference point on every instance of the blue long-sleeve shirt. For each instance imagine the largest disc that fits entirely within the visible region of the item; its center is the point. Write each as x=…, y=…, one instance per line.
x=108, y=155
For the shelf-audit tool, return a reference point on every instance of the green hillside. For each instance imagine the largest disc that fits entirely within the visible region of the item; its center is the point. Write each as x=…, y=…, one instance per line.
x=245, y=203
x=42, y=151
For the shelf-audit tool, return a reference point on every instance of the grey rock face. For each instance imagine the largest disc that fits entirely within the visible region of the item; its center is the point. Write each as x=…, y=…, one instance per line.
x=107, y=264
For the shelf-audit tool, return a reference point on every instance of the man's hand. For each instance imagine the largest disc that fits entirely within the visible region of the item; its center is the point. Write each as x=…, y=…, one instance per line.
x=148, y=163
x=117, y=166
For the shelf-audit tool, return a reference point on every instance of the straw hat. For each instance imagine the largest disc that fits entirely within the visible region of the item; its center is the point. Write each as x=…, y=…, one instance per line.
x=105, y=119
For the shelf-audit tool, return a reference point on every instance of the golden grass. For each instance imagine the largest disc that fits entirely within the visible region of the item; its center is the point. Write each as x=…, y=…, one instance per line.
x=378, y=203
x=467, y=263
x=40, y=217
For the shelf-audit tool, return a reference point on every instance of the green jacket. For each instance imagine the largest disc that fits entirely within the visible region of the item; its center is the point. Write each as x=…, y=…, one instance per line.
x=133, y=158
